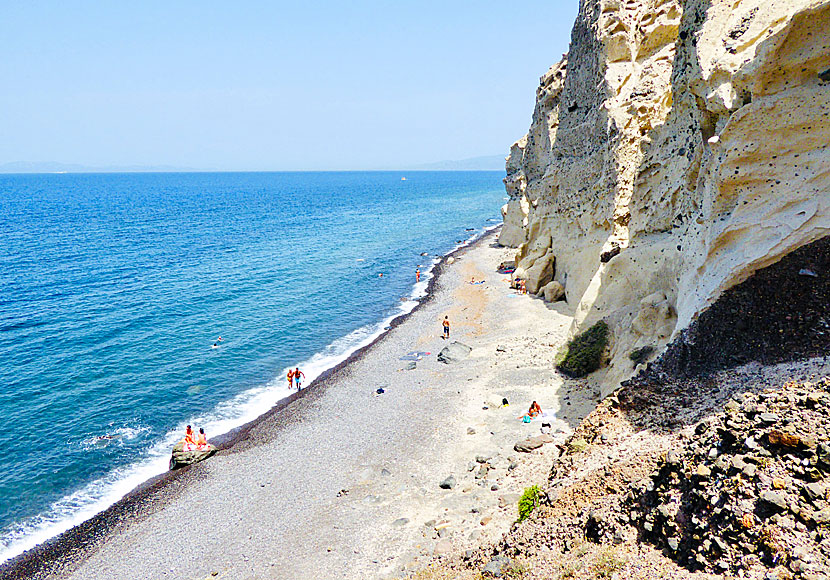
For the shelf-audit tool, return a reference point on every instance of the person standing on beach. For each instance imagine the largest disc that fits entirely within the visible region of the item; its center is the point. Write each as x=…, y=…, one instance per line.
x=417, y=275
x=446, y=323
x=297, y=374
x=290, y=378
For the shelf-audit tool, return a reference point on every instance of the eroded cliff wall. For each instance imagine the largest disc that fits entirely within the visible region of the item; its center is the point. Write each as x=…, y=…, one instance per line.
x=680, y=146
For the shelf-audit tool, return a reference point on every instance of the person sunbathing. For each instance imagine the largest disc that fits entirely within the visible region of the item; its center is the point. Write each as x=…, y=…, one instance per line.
x=189, y=441
x=201, y=441
x=534, y=411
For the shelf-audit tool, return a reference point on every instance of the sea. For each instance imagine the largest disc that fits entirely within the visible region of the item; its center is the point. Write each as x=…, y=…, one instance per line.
x=115, y=290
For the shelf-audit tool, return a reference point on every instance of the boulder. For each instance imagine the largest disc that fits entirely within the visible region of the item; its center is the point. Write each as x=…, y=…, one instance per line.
x=553, y=291
x=180, y=457
x=540, y=273
x=454, y=352
x=448, y=483
x=528, y=445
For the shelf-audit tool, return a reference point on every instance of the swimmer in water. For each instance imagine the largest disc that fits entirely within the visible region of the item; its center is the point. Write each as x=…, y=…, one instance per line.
x=417, y=275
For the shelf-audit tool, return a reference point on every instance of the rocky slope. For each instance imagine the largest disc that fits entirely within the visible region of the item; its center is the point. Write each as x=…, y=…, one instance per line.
x=679, y=147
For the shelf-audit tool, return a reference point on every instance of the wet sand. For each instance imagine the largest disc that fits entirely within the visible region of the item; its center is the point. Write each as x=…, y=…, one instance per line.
x=340, y=482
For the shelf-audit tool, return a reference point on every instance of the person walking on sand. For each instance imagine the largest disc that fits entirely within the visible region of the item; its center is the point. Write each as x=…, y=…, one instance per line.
x=417, y=275
x=446, y=324
x=290, y=378
x=297, y=374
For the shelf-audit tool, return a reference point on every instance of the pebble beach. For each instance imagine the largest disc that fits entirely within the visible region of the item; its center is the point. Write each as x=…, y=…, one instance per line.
x=340, y=481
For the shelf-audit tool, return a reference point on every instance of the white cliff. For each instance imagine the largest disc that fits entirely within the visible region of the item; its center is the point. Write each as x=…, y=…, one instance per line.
x=680, y=146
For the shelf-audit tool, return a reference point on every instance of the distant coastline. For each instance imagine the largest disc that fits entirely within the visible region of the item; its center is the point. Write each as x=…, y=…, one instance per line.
x=485, y=163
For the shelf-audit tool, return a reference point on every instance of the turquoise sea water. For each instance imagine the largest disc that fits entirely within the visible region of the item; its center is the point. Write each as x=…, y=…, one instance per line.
x=114, y=288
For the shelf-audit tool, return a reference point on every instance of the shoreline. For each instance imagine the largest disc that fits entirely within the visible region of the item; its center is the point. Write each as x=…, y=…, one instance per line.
x=59, y=554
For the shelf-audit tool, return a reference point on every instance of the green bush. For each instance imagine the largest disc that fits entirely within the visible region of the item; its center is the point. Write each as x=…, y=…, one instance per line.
x=639, y=355
x=529, y=501
x=583, y=354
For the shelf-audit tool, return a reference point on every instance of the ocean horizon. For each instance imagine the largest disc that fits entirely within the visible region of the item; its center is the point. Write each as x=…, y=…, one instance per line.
x=115, y=288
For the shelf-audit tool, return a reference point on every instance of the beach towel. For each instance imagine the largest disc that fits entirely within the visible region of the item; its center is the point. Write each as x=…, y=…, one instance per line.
x=546, y=416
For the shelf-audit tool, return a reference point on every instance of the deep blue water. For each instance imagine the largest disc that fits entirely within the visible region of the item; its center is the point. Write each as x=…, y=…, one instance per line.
x=114, y=287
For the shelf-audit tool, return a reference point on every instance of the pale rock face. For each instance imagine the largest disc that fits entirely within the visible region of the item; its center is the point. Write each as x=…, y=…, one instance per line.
x=692, y=134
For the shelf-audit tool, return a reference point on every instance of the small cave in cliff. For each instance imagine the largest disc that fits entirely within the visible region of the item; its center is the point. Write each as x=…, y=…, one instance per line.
x=780, y=314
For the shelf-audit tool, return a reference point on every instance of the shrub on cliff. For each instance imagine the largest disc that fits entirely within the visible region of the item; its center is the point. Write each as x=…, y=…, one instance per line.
x=639, y=355
x=583, y=354
x=528, y=502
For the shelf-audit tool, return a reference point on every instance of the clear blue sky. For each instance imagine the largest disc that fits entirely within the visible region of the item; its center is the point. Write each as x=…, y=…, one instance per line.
x=272, y=85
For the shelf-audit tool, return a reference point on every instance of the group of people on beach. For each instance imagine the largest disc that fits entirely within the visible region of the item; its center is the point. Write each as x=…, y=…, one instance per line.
x=295, y=378
x=194, y=442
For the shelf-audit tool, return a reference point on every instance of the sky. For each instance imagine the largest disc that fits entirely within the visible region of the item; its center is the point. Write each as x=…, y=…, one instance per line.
x=303, y=85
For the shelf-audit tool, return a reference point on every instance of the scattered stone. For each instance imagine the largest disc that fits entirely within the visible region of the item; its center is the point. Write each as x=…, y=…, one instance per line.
x=411, y=365
x=442, y=547
x=768, y=418
x=497, y=567
x=471, y=431
x=486, y=520
x=400, y=522
x=494, y=487
x=528, y=445
x=703, y=471
x=783, y=439
x=448, y=483
x=774, y=498
x=815, y=491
